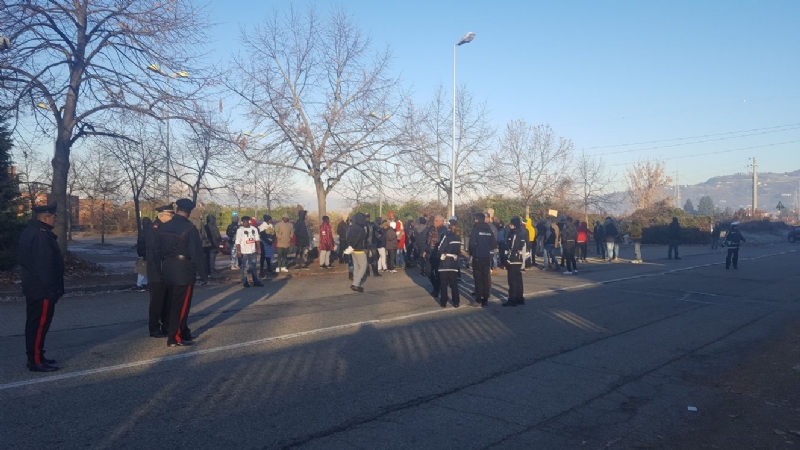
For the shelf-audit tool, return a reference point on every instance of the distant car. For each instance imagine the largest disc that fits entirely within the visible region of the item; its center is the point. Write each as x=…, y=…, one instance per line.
x=794, y=234
x=224, y=246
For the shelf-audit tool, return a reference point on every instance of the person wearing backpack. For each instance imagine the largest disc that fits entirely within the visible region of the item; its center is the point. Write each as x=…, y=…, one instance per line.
x=611, y=232
x=733, y=240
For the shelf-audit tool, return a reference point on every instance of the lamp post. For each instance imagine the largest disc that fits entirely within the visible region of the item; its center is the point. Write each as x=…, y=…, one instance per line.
x=466, y=39
x=169, y=76
x=375, y=115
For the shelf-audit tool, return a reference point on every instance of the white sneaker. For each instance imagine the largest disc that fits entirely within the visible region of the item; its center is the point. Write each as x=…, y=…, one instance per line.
x=574, y=272
x=393, y=271
x=277, y=269
x=284, y=269
x=567, y=272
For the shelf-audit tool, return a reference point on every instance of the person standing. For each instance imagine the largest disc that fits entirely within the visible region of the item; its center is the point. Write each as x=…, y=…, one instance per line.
x=400, y=258
x=530, y=240
x=635, y=231
x=158, y=310
x=433, y=236
x=600, y=239
x=733, y=239
x=674, y=235
x=357, y=240
x=568, y=237
x=482, y=242
x=610, y=233
x=516, y=246
x=141, y=252
x=392, y=244
x=302, y=240
x=420, y=244
x=42, y=283
x=582, y=240
x=248, y=250
x=341, y=232
x=449, y=250
x=373, y=236
x=267, y=234
x=381, y=247
x=231, y=233
x=283, y=236
x=551, y=239
x=179, y=248
x=211, y=239
x=715, y=233
x=325, y=242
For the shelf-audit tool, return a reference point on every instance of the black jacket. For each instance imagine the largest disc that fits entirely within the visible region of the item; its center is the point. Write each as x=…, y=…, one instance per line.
x=674, y=231
x=450, y=248
x=153, y=262
x=482, y=240
x=516, y=243
x=610, y=232
x=231, y=231
x=341, y=231
x=41, y=261
x=357, y=233
x=734, y=239
x=141, y=238
x=569, y=233
x=301, y=230
x=180, y=251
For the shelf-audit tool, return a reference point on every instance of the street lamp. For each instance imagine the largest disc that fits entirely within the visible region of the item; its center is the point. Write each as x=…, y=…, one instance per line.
x=466, y=39
x=169, y=76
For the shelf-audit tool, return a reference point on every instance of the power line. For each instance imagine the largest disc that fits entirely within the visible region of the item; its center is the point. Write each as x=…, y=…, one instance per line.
x=715, y=153
x=692, y=137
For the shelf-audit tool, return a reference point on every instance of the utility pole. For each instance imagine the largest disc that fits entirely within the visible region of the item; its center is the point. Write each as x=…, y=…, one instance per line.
x=755, y=185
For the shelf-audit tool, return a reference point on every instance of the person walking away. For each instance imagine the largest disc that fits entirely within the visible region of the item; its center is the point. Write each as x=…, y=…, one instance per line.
x=179, y=248
x=420, y=244
x=568, y=239
x=158, y=310
x=392, y=244
x=560, y=243
x=600, y=239
x=373, y=235
x=482, y=242
x=266, y=232
x=449, y=252
x=357, y=239
x=231, y=233
x=610, y=232
x=635, y=231
x=674, y=235
x=733, y=239
x=141, y=252
x=715, y=233
x=283, y=235
x=583, y=240
x=515, y=255
x=381, y=246
x=550, y=239
x=433, y=236
x=302, y=240
x=325, y=242
x=42, y=283
x=341, y=232
x=248, y=250
x=211, y=239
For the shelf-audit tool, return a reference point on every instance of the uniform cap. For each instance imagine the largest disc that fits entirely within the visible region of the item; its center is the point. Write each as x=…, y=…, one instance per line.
x=166, y=208
x=45, y=209
x=184, y=204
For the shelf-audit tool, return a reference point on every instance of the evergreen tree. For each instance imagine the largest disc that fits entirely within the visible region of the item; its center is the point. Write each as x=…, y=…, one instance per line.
x=705, y=207
x=689, y=207
x=10, y=220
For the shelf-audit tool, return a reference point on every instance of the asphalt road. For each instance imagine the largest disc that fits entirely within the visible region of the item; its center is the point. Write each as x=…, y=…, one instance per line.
x=603, y=359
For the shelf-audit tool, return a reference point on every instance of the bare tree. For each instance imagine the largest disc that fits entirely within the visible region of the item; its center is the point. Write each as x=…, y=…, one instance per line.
x=79, y=62
x=324, y=100
x=429, y=158
x=592, y=184
x=196, y=165
x=647, y=183
x=273, y=184
x=533, y=161
x=33, y=173
x=101, y=180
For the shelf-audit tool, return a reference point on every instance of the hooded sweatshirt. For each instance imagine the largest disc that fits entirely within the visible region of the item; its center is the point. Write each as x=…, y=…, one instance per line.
x=301, y=230
x=210, y=233
x=357, y=233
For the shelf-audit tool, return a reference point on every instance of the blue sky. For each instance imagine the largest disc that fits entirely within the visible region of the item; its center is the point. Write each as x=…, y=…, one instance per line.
x=602, y=73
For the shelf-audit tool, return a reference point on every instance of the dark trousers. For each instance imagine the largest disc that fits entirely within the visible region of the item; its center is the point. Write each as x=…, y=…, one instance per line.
x=39, y=315
x=482, y=274
x=448, y=279
x=268, y=260
x=714, y=242
x=569, y=255
x=601, y=249
x=342, y=246
x=180, y=302
x=581, y=251
x=211, y=259
x=673, y=244
x=391, y=257
x=433, y=271
x=158, y=313
x=372, y=259
x=515, y=294
x=733, y=256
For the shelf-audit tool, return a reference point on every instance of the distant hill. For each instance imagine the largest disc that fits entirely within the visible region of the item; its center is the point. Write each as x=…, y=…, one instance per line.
x=736, y=191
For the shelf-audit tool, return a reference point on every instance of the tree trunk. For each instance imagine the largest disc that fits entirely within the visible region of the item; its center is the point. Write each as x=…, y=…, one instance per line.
x=527, y=210
x=103, y=221
x=322, y=198
x=59, y=187
x=137, y=211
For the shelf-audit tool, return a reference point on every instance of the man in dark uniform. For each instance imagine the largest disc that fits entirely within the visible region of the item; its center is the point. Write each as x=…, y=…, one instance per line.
x=733, y=240
x=372, y=245
x=42, y=283
x=433, y=236
x=482, y=242
x=180, y=250
x=158, y=312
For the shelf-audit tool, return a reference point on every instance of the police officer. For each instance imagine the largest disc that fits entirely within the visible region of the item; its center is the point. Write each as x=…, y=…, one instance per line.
x=433, y=236
x=180, y=250
x=449, y=268
x=42, y=283
x=733, y=240
x=158, y=312
x=482, y=242
x=516, y=246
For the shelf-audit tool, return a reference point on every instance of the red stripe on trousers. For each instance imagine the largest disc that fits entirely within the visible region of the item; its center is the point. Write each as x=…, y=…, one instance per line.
x=37, y=355
x=183, y=313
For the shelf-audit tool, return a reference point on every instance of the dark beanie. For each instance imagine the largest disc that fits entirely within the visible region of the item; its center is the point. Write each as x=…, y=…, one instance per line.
x=516, y=222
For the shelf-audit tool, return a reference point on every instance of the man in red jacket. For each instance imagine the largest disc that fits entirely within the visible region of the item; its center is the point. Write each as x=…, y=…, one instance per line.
x=583, y=240
x=325, y=242
x=400, y=260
